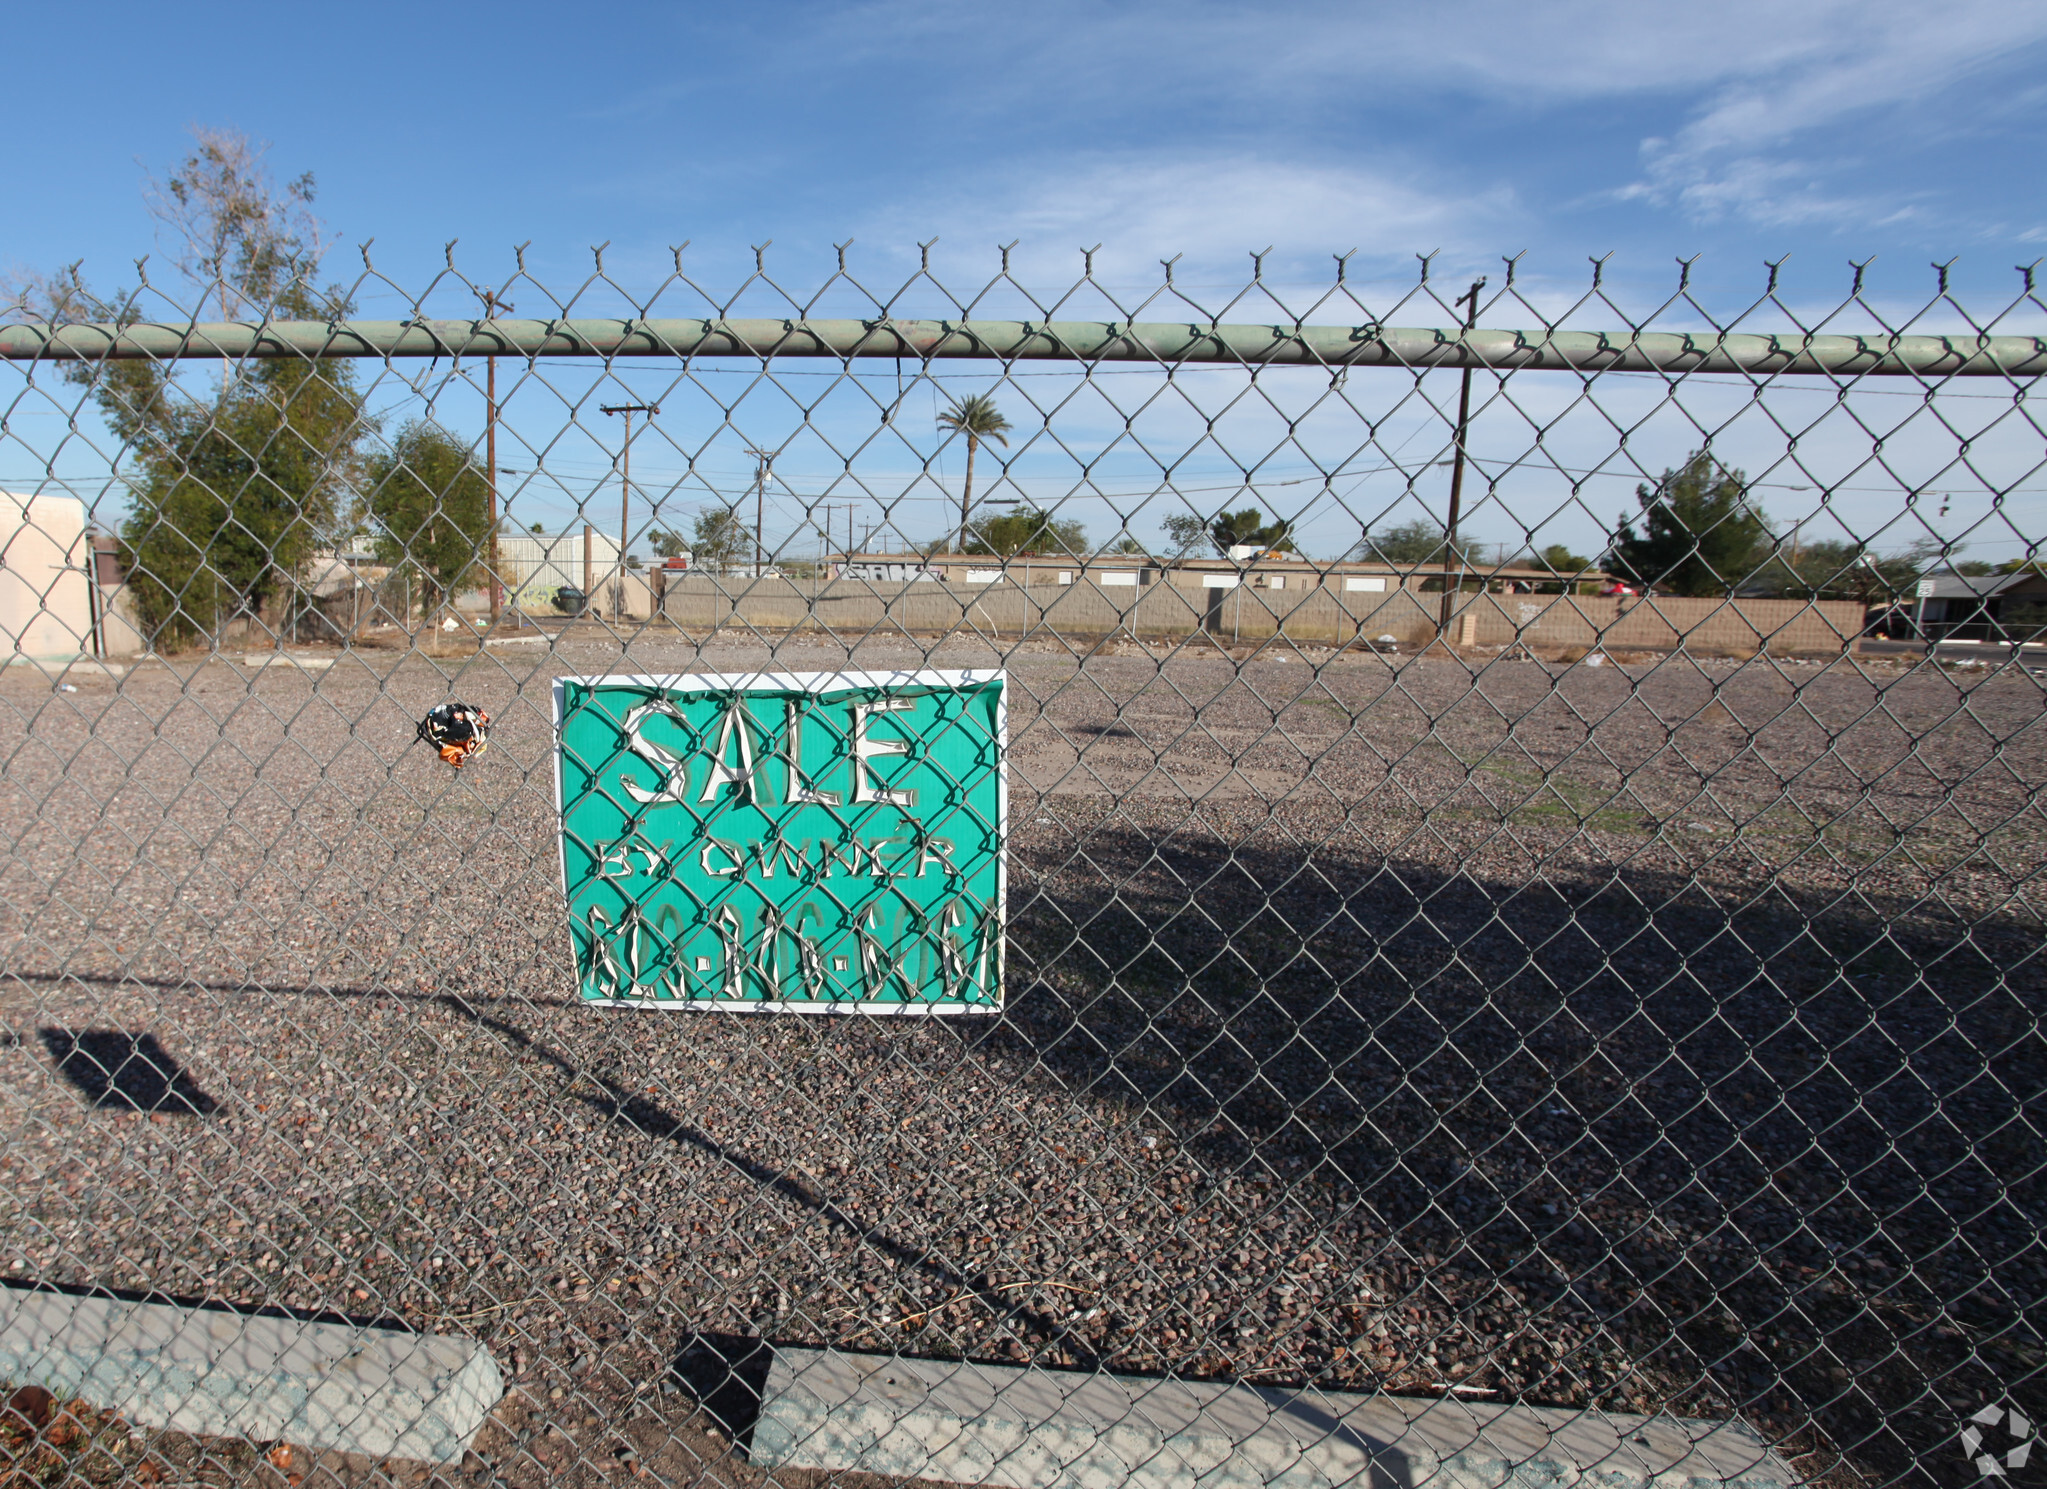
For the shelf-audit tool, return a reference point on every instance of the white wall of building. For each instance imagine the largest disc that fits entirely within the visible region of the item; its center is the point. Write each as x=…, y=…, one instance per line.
x=535, y=565
x=46, y=600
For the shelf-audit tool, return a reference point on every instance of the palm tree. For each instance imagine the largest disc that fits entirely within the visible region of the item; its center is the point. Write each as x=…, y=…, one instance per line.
x=978, y=419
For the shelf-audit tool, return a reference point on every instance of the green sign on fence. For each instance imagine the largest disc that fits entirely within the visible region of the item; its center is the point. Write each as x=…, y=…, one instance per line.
x=811, y=842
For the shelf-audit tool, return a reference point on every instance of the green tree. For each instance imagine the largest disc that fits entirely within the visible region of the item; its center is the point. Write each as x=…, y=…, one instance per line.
x=718, y=538
x=232, y=499
x=231, y=494
x=240, y=234
x=1026, y=530
x=1839, y=569
x=1248, y=528
x=1126, y=546
x=977, y=418
x=431, y=503
x=668, y=544
x=1413, y=543
x=1559, y=559
x=1185, y=532
x=1700, y=533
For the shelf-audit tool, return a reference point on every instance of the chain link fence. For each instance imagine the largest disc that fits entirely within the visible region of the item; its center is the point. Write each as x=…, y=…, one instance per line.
x=1523, y=855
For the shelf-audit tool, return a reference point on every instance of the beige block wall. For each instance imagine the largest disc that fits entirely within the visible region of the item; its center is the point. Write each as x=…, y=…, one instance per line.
x=1665, y=622
x=120, y=623
x=852, y=607
x=638, y=591
x=1324, y=615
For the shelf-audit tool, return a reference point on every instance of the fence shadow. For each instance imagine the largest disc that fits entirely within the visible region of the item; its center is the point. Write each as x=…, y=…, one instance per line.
x=1760, y=1130
x=727, y=1376
x=120, y=1071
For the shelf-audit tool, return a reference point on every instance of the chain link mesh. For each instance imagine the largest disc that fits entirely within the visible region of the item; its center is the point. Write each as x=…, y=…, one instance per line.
x=1612, y=1003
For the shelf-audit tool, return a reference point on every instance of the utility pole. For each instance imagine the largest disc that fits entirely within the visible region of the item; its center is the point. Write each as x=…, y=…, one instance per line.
x=762, y=461
x=625, y=491
x=826, y=528
x=491, y=306
x=1450, y=552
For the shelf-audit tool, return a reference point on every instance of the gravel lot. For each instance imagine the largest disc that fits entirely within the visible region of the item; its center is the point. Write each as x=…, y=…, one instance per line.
x=1654, y=1036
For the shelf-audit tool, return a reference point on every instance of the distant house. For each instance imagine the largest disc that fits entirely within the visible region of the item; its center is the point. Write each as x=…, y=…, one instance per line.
x=1979, y=607
x=1254, y=568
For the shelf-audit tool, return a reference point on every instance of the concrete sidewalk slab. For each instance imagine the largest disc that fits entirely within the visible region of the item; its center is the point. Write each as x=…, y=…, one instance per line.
x=378, y=1392
x=1037, y=1429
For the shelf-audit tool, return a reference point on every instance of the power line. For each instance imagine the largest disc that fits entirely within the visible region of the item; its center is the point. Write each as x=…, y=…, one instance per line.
x=1772, y=485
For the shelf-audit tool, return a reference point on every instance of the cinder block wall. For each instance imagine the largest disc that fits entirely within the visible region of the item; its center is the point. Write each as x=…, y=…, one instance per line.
x=1322, y=616
x=1665, y=622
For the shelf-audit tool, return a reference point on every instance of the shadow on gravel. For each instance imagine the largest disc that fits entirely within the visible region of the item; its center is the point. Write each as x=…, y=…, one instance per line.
x=209, y=1304
x=119, y=1071
x=1784, y=1143
x=727, y=1376
x=613, y=1101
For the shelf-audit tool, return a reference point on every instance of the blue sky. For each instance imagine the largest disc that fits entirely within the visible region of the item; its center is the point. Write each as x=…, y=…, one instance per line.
x=1816, y=133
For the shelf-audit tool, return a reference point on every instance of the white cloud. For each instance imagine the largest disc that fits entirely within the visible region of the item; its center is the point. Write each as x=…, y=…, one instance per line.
x=1770, y=193
x=1760, y=92
x=1214, y=211
x=1842, y=53
x=1875, y=62
x=1878, y=57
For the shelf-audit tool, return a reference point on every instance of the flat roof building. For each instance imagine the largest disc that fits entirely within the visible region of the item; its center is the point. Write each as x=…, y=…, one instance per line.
x=1115, y=570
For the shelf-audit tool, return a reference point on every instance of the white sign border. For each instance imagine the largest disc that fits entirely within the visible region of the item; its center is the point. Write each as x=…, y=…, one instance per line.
x=811, y=682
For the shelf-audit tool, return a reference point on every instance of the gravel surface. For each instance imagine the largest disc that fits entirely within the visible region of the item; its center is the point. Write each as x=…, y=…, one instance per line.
x=1659, y=1037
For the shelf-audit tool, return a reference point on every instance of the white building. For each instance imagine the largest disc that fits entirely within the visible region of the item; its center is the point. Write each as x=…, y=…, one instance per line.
x=534, y=565
x=48, y=606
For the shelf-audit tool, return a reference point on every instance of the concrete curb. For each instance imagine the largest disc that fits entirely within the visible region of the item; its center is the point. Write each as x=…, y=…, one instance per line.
x=1037, y=1429
x=377, y=1392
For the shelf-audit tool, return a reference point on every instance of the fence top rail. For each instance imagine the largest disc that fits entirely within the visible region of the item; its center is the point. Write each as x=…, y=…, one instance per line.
x=1165, y=343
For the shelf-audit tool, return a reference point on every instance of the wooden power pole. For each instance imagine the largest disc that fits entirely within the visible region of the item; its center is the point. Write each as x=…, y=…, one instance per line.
x=1451, y=562
x=625, y=492
x=763, y=462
